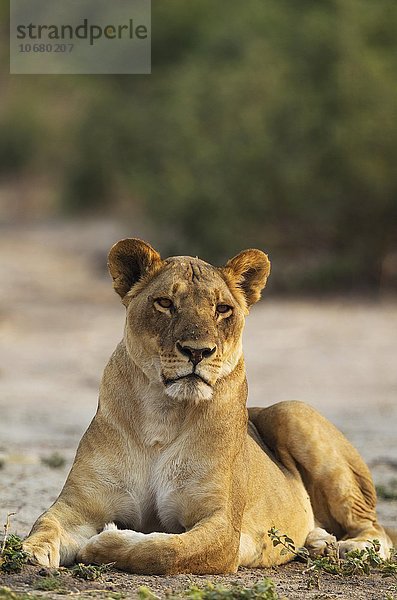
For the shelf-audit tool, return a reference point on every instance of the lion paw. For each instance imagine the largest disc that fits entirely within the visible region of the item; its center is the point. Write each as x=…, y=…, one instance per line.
x=320, y=543
x=96, y=550
x=111, y=543
x=349, y=545
x=346, y=546
x=42, y=553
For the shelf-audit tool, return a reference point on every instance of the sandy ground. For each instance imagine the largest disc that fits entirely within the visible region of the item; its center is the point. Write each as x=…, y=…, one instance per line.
x=60, y=321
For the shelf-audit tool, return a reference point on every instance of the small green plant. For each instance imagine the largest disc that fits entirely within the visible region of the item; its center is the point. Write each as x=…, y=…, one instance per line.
x=12, y=555
x=102, y=594
x=54, y=460
x=262, y=590
x=288, y=544
x=360, y=562
x=49, y=582
x=7, y=594
x=145, y=593
x=90, y=572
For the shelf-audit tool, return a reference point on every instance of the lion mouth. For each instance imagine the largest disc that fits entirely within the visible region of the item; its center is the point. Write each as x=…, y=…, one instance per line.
x=189, y=376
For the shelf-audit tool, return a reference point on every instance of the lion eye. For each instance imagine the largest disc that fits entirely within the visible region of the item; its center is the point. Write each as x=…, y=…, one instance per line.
x=223, y=308
x=164, y=302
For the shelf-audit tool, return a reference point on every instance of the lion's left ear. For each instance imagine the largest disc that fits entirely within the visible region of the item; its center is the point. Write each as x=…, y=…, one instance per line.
x=129, y=261
x=250, y=270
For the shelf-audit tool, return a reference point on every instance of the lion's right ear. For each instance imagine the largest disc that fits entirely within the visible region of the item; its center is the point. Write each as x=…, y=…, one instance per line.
x=129, y=261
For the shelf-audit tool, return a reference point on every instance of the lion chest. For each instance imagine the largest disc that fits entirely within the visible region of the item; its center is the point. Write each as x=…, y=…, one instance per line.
x=156, y=486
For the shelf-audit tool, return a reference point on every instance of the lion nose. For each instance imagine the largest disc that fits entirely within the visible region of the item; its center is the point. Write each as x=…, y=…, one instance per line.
x=195, y=355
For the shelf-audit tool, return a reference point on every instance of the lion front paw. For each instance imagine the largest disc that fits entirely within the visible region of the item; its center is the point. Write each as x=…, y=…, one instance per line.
x=97, y=549
x=111, y=545
x=45, y=553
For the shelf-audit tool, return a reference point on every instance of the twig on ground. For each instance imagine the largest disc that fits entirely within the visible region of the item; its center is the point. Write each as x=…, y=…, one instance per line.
x=7, y=526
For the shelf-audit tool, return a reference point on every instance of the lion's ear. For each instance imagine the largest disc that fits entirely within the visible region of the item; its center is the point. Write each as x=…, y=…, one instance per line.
x=129, y=260
x=249, y=270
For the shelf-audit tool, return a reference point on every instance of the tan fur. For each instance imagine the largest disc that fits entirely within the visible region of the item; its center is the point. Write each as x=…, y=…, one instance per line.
x=170, y=477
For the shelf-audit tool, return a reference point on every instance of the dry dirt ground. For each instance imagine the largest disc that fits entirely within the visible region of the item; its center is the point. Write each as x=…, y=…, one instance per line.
x=60, y=321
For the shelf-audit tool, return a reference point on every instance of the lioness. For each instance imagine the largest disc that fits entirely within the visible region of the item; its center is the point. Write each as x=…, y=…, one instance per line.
x=174, y=475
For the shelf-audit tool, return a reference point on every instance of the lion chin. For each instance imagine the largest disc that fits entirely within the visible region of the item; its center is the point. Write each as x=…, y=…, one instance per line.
x=191, y=389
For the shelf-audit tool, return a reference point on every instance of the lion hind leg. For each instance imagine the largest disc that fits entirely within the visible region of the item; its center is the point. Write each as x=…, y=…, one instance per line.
x=338, y=481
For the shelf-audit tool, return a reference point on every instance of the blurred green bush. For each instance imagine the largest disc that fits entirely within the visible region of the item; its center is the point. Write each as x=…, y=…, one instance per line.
x=269, y=124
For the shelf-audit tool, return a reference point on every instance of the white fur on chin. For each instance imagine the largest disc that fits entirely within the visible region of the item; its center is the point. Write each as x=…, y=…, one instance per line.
x=186, y=389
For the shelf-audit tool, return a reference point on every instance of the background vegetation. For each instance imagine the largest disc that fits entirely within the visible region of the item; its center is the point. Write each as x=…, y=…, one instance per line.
x=268, y=123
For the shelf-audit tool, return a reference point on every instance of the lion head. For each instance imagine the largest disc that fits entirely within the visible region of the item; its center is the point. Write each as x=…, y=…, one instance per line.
x=185, y=317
